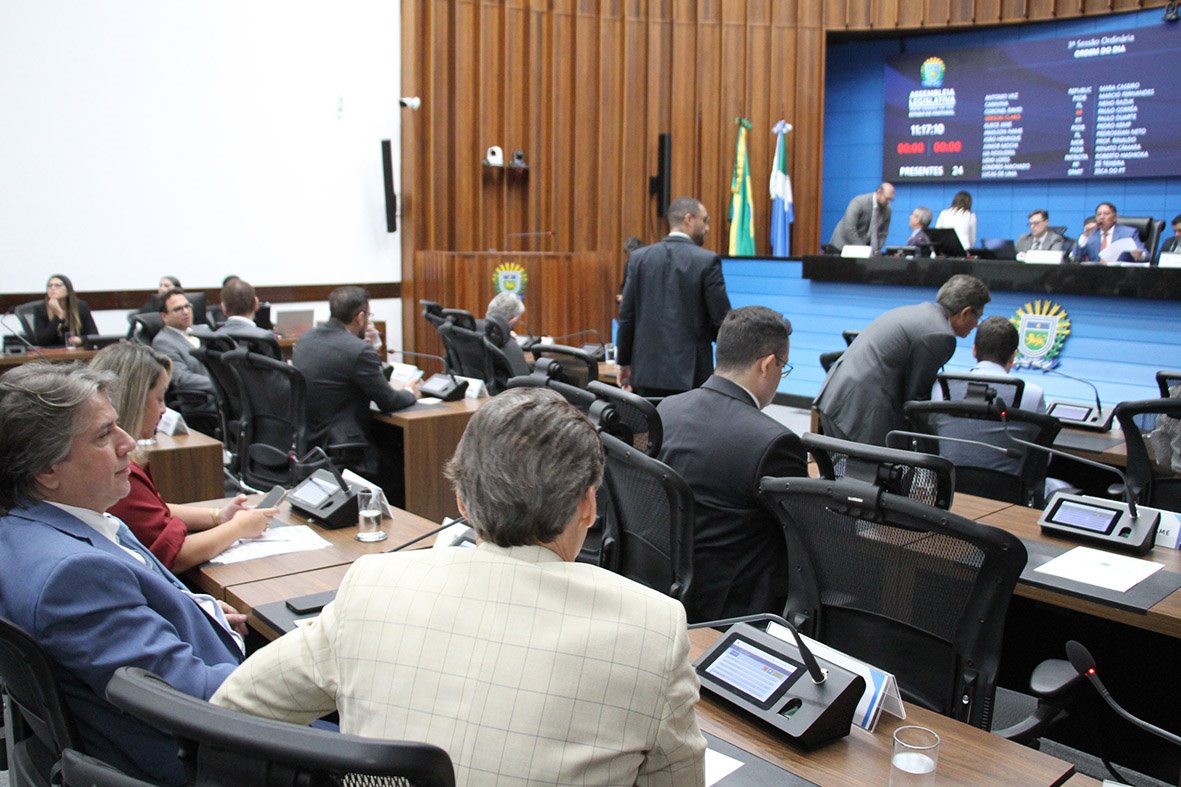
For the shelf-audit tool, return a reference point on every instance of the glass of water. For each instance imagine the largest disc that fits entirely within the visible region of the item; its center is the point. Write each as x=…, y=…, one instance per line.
x=369, y=523
x=916, y=755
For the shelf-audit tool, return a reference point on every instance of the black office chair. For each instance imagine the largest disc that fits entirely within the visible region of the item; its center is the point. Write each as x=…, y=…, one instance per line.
x=469, y=354
x=1165, y=380
x=142, y=327
x=38, y=726
x=978, y=471
x=1154, y=466
x=926, y=478
x=1149, y=230
x=957, y=387
x=220, y=746
x=910, y=588
x=578, y=367
x=635, y=422
x=273, y=422
x=80, y=770
x=24, y=312
x=849, y=336
x=647, y=512
x=829, y=358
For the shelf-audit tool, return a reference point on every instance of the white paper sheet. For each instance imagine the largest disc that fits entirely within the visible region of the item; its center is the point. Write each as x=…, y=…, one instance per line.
x=718, y=766
x=1116, y=248
x=1099, y=568
x=275, y=541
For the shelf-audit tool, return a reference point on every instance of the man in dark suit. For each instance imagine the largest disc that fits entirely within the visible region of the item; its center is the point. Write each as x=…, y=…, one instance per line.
x=343, y=376
x=866, y=221
x=1039, y=235
x=895, y=360
x=721, y=444
x=1172, y=245
x=920, y=220
x=239, y=303
x=673, y=302
x=1108, y=231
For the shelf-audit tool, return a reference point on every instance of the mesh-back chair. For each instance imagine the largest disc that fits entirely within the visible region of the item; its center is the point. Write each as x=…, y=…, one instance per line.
x=461, y=317
x=1165, y=380
x=958, y=387
x=24, y=313
x=432, y=312
x=79, y=770
x=1154, y=456
x=926, y=478
x=273, y=426
x=635, y=419
x=38, y=726
x=912, y=589
x=829, y=358
x=469, y=355
x=647, y=514
x=221, y=746
x=1017, y=479
x=849, y=336
x=578, y=367
x=262, y=345
x=229, y=401
x=144, y=326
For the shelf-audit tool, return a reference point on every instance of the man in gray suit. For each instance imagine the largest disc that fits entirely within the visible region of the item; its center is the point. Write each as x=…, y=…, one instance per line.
x=188, y=374
x=1039, y=235
x=674, y=300
x=239, y=303
x=896, y=360
x=866, y=221
x=343, y=376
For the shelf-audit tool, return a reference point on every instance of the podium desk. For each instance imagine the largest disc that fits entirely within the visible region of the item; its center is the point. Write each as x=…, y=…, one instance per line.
x=429, y=435
x=187, y=467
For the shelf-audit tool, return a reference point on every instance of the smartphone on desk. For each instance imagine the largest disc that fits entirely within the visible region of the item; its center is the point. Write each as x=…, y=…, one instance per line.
x=273, y=497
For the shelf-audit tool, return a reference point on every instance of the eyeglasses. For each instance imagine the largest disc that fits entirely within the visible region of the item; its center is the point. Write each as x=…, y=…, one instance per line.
x=784, y=367
x=182, y=308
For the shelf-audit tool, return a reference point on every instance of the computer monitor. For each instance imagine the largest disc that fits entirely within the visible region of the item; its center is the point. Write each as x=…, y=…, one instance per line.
x=945, y=242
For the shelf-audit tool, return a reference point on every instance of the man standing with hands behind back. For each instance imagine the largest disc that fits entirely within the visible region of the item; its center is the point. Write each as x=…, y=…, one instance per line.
x=674, y=301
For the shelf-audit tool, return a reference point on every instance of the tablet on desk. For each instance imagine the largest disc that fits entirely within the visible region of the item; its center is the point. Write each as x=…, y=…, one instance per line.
x=1070, y=412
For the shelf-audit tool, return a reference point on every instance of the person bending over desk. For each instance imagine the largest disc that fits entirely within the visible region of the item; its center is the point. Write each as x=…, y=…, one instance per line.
x=522, y=664
x=180, y=536
x=64, y=318
x=91, y=595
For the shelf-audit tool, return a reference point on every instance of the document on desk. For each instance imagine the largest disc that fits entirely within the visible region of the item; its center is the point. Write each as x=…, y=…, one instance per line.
x=275, y=541
x=1116, y=248
x=1103, y=569
x=718, y=766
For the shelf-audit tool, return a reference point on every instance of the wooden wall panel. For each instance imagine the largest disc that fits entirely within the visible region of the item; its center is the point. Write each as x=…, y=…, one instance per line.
x=584, y=87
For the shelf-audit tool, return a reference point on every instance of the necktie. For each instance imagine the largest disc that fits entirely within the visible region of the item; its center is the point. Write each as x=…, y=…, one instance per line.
x=1037, y=244
x=1103, y=240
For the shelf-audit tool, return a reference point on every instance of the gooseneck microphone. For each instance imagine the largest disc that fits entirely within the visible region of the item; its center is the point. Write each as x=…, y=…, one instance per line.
x=1012, y=453
x=438, y=386
x=576, y=334
x=21, y=336
x=1084, y=663
x=1093, y=387
x=818, y=675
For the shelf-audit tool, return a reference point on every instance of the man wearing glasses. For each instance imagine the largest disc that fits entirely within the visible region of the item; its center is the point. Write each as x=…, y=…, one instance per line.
x=1039, y=235
x=188, y=374
x=719, y=441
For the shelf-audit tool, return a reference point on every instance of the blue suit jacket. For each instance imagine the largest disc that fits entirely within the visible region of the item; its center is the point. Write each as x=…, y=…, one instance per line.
x=94, y=608
x=1090, y=251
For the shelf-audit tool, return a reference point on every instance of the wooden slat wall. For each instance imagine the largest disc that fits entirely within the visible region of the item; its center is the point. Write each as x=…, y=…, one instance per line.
x=583, y=87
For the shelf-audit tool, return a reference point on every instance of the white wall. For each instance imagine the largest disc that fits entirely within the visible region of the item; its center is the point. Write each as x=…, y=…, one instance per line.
x=140, y=137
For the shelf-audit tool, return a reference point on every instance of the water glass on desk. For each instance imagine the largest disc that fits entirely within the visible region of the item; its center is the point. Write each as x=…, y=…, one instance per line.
x=369, y=524
x=916, y=755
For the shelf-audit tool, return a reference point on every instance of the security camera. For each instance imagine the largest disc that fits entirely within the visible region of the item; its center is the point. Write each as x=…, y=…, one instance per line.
x=410, y=102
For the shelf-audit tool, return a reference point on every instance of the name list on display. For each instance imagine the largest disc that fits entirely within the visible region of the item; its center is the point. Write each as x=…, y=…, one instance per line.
x=1001, y=137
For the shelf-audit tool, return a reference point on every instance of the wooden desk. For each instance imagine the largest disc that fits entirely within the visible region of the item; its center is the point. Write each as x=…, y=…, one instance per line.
x=1163, y=618
x=187, y=467
x=50, y=354
x=430, y=434
x=1116, y=455
x=967, y=755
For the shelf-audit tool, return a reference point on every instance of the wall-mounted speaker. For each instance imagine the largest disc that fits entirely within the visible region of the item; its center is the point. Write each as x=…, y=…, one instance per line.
x=391, y=197
x=658, y=184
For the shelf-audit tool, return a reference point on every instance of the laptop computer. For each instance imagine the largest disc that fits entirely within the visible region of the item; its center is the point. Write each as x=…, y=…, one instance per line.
x=294, y=323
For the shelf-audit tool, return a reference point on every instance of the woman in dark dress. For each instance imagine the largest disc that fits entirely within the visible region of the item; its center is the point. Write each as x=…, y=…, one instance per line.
x=64, y=318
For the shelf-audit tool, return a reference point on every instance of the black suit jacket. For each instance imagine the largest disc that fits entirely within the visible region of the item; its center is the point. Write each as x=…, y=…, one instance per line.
x=674, y=301
x=50, y=332
x=343, y=376
x=259, y=340
x=721, y=444
x=1170, y=246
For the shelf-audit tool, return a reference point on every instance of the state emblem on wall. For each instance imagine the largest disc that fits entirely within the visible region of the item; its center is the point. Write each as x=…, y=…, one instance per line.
x=1042, y=329
x=510, y=277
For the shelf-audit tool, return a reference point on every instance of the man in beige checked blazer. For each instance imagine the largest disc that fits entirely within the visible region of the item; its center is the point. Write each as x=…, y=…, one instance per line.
x=522, y=664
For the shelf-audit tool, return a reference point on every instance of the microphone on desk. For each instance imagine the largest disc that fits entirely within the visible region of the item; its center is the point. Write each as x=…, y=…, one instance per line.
x=1084, y=663
x=427, y=534
x=20, y=336
x=818, y=675
x=441, y=386
x=1098, y=404
x=1012, y=453
x=575, y=334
